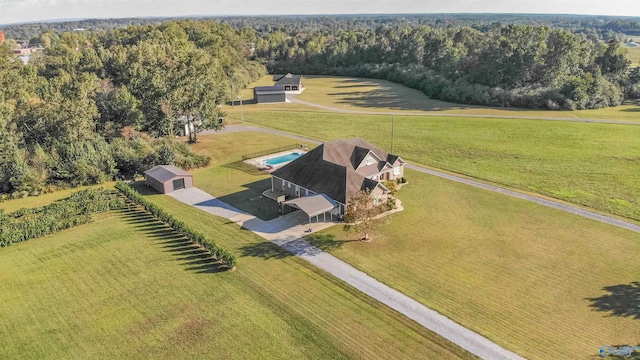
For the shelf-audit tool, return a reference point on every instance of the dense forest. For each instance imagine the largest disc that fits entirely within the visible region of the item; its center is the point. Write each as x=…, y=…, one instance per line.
x=97, y=105
x=505, y=66
x=107, y=102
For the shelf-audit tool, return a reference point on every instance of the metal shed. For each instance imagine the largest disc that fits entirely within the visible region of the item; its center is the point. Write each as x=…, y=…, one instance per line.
x=269, y=94
x=168, y=178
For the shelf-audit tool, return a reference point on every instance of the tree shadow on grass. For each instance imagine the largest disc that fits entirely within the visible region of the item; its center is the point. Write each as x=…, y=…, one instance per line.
x=265, y=250
x=269, y=251
x=190, y=256
x=622, y=300
x=143, y=189
x=326, y=242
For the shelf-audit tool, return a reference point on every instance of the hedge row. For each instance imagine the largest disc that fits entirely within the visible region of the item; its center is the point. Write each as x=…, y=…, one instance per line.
x=224, y=256
x=25, y=224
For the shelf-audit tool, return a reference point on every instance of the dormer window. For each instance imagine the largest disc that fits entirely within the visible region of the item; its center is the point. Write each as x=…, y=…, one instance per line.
x=369, y=161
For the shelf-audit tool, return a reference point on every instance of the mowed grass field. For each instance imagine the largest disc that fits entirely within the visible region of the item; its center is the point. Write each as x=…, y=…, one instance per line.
x=595, y=165
x=538, y=281
x=634, y=55
x=372, y=95
x=127, y=287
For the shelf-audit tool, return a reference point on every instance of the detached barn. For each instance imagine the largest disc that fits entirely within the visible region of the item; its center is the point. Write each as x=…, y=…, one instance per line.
x=269, y=94
x=168, y=178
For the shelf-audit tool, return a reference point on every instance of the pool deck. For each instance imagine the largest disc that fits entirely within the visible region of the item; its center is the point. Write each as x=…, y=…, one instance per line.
x=260, y=161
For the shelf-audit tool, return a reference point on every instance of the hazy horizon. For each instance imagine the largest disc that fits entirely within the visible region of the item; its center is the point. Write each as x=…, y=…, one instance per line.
x=20, y=11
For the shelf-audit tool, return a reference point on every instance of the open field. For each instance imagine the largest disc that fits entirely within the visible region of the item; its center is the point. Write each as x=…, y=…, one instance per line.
x=634, y=55
x=596, y=165
x=541, y=282
x=128, y=287
x=374, y=95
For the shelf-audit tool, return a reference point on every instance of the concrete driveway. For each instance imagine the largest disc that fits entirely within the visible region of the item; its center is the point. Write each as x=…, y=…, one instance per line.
x=287, y=231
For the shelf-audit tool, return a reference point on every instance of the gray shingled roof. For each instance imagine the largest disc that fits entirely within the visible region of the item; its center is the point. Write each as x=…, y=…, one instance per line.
x=164, y=173
x=331, y=169
x=289, y=79
x=268, y=90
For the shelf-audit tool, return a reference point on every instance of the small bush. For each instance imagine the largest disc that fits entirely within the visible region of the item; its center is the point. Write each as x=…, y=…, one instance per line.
x=403, y=180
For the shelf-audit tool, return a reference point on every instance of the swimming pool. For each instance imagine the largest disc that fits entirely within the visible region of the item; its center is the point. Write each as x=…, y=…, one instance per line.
x=283, y=158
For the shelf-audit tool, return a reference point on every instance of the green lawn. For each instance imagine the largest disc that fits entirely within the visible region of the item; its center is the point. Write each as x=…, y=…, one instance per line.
x=383, y=96
x=526, y=276
x=234, y=181
x=634, y=55
x=596, y=165
x=127, y=287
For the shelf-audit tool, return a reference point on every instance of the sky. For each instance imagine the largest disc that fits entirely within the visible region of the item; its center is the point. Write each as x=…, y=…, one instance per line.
x=13, y=11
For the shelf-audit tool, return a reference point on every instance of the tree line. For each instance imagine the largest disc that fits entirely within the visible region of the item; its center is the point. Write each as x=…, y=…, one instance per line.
x=94, y=106
x=506, y=66
x=600, y=27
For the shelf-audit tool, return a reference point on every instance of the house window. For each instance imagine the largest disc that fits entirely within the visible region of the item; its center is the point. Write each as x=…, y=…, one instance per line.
x=297, y=190
x=294, y=88
x=374, y=177
x=369, y=161
x=289, y=182
x=396, y=170
x=376, y=200
x=283, y=184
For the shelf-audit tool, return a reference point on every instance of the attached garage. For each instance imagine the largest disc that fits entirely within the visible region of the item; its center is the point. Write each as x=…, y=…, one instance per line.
x=269, y=94
x=168, y=178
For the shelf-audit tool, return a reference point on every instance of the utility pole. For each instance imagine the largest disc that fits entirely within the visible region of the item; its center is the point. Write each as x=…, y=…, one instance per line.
x=392, y=131
x=241, y=109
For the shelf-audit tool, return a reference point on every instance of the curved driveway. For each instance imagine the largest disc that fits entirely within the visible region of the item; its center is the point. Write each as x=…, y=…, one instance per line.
x=293, y=99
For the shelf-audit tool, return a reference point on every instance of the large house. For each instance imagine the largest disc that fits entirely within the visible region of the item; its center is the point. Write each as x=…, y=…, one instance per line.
x=339, y=169
x=290, y=83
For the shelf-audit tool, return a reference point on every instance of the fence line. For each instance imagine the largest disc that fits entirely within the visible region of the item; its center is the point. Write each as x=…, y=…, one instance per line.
x=271, y=151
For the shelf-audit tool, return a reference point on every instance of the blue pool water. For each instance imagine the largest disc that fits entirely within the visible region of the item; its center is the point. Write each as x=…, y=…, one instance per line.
x=283, y=159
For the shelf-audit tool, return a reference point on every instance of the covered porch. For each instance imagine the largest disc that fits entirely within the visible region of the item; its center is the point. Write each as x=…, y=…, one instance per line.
x=314, y=206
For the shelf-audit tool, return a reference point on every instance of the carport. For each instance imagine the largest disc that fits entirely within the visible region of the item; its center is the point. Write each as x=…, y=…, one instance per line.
x=314, y=206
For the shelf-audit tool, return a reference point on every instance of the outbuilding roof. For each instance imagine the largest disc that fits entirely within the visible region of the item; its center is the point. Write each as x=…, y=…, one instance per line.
x=165, y=173
x=261, y=90
x=289, y=79
x=313, y=205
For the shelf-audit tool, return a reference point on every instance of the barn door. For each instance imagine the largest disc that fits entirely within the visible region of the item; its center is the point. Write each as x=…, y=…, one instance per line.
x=178, y=184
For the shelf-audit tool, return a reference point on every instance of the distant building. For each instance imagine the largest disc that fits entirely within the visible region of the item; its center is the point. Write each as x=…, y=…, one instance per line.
x=269, y=94
x=1, y=37
x=633, y=44
x=168, y=178
x=290, y=82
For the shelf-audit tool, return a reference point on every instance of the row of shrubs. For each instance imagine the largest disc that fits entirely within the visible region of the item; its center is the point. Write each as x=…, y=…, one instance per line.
x=25, y=224
x=225, y=257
